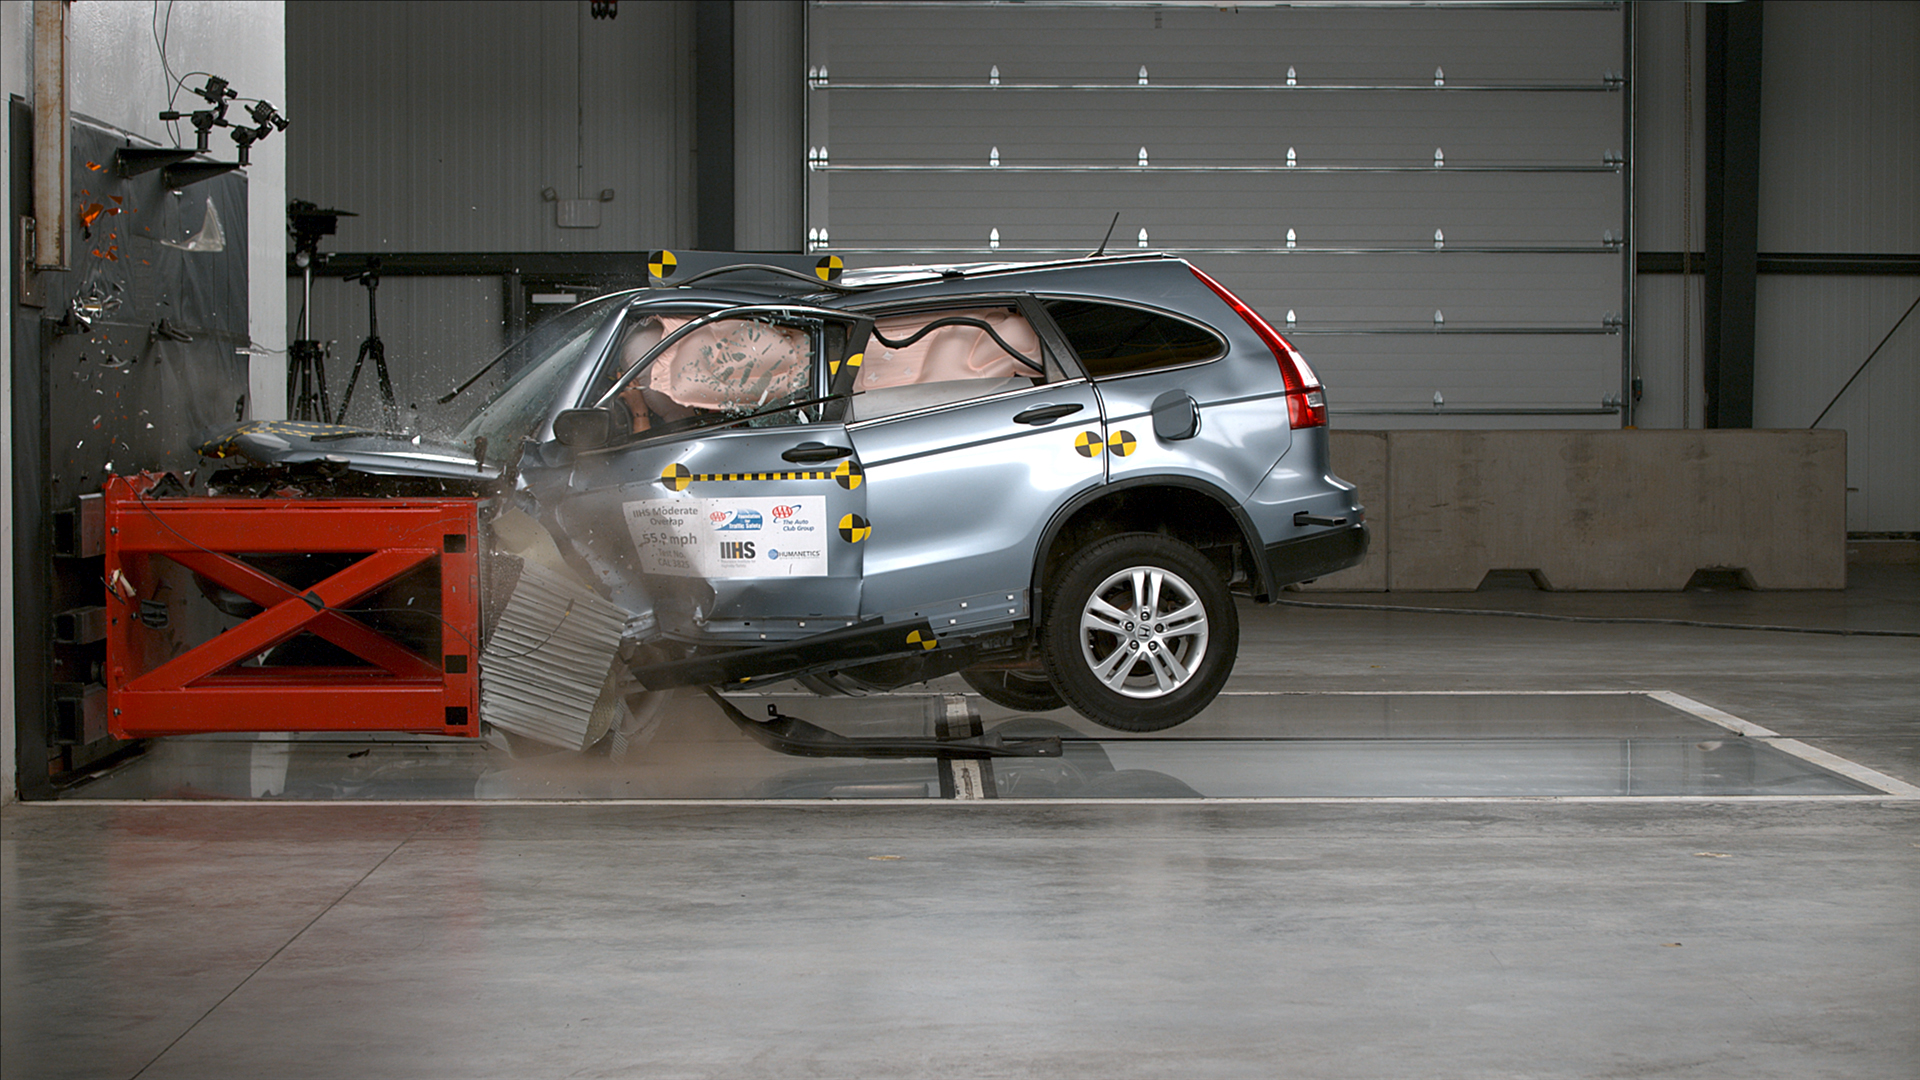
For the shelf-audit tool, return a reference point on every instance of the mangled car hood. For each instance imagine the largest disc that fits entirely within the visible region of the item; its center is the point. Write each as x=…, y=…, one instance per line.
x=376, y=453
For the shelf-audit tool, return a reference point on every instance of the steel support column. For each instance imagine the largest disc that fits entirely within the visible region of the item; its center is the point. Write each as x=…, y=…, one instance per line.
x=1732, y=205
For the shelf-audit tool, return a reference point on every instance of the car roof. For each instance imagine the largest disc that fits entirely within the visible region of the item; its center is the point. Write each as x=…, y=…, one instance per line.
x=750, y=281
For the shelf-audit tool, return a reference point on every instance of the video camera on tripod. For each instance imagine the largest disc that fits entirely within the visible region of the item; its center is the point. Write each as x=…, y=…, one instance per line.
x=307, y=360
x=306, y=365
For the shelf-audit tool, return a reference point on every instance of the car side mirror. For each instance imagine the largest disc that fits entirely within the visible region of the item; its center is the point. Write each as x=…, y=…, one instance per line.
x=1176, y=416
x=584, y=429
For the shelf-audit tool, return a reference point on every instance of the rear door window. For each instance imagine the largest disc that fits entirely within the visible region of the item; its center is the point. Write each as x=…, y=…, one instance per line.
x=926, y=358
x=1112, y=339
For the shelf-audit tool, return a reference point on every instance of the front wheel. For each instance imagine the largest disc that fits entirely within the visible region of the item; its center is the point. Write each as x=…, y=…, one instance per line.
x=1140, y=632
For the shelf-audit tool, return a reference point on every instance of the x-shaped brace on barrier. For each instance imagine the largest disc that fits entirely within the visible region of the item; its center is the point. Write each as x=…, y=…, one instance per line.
x=289, y=611
x=161, y=683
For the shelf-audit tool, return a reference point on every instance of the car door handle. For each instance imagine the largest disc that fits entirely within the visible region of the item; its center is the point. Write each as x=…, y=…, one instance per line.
x=1045, y=414
x=814, y=451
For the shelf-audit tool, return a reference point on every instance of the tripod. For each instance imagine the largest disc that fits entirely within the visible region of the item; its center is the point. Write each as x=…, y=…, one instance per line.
x=307, y=365
x=375, y=348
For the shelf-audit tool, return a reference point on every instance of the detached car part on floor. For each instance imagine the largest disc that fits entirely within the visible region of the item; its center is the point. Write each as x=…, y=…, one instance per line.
x=1048, y=478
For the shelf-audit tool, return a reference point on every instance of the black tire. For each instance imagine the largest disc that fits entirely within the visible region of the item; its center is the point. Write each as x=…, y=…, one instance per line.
x=1130, y=674
x=1021, y=691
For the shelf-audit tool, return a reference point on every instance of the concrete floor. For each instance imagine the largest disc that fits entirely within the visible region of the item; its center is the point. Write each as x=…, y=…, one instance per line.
x=1716, y=937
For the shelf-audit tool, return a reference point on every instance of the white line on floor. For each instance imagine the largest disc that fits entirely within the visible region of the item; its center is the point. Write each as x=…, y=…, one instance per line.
x=1809, y=754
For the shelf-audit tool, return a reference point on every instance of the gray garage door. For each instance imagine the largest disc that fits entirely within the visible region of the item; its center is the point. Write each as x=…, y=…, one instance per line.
x=1433, y=198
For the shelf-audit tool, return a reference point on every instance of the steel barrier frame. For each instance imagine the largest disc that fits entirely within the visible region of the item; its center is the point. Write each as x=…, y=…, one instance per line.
x=152, y=690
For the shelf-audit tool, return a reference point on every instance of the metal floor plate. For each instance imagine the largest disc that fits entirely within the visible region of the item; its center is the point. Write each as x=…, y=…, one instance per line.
x=1246, y=746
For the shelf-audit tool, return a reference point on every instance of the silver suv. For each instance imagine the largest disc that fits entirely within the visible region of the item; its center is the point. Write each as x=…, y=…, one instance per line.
x=1049, y=478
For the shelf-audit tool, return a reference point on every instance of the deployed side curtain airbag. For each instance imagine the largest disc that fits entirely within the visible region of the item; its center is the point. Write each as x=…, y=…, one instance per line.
x=948, y=353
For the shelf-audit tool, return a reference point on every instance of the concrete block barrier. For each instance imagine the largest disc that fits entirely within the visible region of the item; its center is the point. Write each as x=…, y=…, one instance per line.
x=1625, y=510
x=1598, y=510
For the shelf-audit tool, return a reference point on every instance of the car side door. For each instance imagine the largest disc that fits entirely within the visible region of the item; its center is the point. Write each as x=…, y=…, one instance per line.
x=972, y=431
x=734, y=497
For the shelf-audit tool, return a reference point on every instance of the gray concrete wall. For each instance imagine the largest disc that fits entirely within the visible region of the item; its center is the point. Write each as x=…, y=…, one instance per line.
x=1625, y=510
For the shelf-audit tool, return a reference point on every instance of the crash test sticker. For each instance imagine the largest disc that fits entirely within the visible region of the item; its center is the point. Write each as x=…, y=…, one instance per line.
x=731, y=538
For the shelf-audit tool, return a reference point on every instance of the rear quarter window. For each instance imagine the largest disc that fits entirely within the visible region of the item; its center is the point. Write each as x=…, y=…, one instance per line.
x=1114, y=340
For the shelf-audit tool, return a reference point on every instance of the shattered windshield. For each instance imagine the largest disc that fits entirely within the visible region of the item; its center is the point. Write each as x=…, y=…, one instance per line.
x=536, y=368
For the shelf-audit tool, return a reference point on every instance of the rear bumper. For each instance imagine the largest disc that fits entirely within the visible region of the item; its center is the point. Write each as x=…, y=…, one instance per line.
x=1315, y=556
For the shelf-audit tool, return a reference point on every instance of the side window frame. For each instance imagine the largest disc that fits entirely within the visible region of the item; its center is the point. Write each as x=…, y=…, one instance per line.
x=823, y=381
x=1223, y=346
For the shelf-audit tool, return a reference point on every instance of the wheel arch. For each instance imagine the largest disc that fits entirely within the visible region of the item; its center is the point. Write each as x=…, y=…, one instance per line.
x=1184, y=508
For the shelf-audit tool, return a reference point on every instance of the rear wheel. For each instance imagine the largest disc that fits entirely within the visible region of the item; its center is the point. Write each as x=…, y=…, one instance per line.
x=1021, y=691
x=1140, y=632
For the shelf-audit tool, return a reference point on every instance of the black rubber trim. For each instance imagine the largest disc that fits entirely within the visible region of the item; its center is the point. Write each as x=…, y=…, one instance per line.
x=1317, y=555
x=872, y=640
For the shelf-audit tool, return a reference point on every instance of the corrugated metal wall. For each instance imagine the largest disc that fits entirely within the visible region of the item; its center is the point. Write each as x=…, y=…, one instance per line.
x=1840, y=172
x=1431, y=195
x=769, y=141
x=441, y=123
x=1840, y=151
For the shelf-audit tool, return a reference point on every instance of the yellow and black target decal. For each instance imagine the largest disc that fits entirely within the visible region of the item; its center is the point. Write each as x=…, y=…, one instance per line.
x=854, y=528
x=829, y=268
x=1122, y=443
x=848, y=474
x=851, y=363
x=1089, y=443
x=924, y=639
x=678, y=477
x=661, y=264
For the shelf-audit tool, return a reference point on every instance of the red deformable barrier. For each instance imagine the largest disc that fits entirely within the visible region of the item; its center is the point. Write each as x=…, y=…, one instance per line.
x=158, y=685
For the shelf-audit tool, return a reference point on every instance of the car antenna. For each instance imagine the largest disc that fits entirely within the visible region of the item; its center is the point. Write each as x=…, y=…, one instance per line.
x=1103, y=240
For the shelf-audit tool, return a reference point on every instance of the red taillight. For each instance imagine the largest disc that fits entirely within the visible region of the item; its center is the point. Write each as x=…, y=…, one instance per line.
x=1306, y=401
x=1306, y=408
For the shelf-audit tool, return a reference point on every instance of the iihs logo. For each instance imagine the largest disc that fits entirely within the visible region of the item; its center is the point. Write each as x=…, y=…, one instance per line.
x=736, y=549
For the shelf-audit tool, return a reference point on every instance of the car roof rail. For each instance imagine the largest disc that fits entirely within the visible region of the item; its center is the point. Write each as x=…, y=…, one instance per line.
x=910, y=274
x=815, y=279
